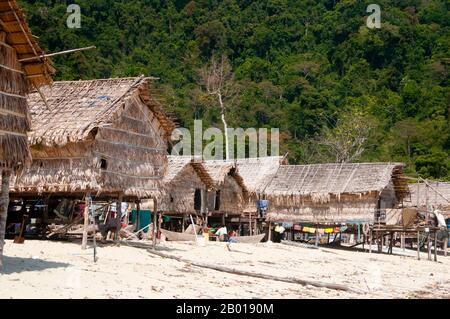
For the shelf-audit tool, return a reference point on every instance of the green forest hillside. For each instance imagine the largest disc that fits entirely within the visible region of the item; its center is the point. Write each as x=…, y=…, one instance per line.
x=311, y=68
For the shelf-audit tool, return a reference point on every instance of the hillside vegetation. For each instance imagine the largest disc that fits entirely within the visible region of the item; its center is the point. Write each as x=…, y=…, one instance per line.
x=311, y=68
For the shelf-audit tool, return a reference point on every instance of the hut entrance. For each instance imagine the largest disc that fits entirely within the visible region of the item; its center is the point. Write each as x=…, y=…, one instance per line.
x=198, y=199
x=217, y=201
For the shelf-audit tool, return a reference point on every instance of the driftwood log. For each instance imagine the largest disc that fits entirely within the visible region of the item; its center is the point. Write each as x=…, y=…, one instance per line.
x=253, y=274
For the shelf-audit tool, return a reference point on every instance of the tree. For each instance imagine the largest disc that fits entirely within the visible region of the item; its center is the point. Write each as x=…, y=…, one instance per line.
x=217, y=80
x=347, y=140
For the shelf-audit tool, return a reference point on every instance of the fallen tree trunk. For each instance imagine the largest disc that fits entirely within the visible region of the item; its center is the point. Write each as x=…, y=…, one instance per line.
x=253, y=274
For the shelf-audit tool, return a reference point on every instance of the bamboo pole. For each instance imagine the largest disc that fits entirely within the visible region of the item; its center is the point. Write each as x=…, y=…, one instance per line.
x=57, y=53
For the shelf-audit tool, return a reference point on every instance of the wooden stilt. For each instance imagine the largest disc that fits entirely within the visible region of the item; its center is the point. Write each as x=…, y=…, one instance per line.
x=155, y=221
x=270, y=232
x=317, y=237
x=183, y=227
x=86, y=223
x=159, y=224
x=445, y=246
x=403, y=241
x=435, y=246
x=118, y=217
x=370, y=241
x=4, y=202
x=138, y=215
x=429, y=245
x=418, y=245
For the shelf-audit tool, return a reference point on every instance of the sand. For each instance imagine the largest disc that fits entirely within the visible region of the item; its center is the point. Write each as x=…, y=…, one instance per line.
x=46, y=269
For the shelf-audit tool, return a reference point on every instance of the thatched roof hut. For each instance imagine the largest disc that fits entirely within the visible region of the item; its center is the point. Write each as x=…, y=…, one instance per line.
x=257, y=174
x=437, y=195
x=17, y=77
x=230, y=193
x=334, y=193
x=186, y=184
x=107, y=137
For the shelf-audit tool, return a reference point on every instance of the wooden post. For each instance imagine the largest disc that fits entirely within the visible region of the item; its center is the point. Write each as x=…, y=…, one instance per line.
x=429, y=245
x=269, y=238
x=445, y=246
x=4, y=202
x=418, y=245
x=155, y=210
x=402, y=239
x=370, y=241
x=159, y=224
x=138, y=215
x=182, y=225
x=86, y=223
x=317, y=237
x=45, y=212
x=250, y=223
x=435, y=246
x=118, y=217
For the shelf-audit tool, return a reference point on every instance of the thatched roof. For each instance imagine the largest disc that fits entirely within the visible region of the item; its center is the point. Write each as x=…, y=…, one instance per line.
x=16, y=79
x=19, y=36
x=178, y=163
x=77, y=108
x=325, y=179
x=218, y=170
x=419, y=195
x=258, y=172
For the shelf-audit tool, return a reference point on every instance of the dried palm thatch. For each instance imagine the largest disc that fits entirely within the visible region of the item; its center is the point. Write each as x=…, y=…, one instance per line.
x=16, y=78
x=230, y=184
x=334, y=192
x=257, y=173
x=438, y=195
x=102, y=136
x=184, y=176
x=18, y=36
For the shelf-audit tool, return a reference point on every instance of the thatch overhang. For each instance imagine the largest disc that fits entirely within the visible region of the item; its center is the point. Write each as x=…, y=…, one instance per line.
x=38, y=71
x=16, y=80
x=332, y=192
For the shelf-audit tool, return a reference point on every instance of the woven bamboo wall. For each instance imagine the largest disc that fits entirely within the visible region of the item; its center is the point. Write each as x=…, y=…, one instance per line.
x=346, y=208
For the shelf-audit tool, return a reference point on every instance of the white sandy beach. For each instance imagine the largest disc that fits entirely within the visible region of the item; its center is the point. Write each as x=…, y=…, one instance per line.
x=45, y=269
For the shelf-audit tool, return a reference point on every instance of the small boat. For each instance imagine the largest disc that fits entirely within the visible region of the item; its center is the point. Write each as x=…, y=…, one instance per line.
x=174, y=236
x=250, y=239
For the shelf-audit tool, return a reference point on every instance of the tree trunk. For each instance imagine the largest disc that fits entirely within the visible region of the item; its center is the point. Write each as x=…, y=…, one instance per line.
x=225, y=127
x=4, y=201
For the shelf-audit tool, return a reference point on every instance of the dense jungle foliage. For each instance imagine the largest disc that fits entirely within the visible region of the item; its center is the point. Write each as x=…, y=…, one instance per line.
x=311, y=68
